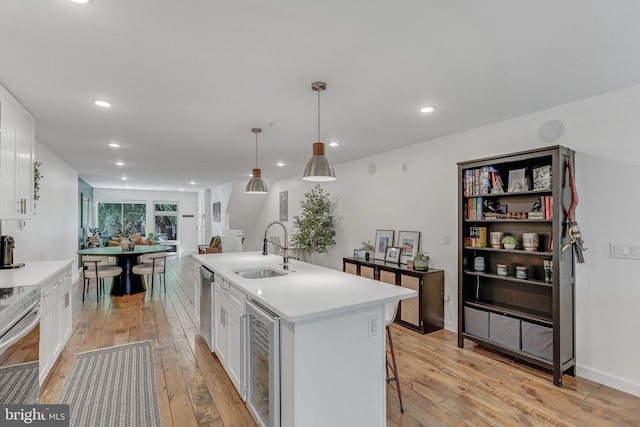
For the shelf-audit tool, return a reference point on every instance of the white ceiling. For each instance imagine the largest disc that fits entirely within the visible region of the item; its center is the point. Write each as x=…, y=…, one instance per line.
x=190, y=78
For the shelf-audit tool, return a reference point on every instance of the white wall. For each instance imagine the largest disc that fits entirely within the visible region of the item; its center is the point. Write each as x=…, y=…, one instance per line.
x=188, y=205
x=52, y=234
x=603, y=130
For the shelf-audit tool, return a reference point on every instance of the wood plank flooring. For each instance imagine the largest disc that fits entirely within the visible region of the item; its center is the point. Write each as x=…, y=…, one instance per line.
x=442, y=385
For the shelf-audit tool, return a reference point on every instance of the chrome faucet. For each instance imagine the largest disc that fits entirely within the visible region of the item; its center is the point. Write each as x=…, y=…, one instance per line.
x=285, y=248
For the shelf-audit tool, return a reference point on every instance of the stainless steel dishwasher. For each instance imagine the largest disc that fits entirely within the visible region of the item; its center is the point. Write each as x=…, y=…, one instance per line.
x=207, y=296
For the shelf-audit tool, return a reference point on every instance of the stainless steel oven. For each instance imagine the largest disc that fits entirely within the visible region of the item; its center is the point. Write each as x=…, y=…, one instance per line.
x=19, y=313
x=263, y=398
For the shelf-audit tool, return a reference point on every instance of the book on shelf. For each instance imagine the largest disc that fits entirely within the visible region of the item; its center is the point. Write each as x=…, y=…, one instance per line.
x=478, y=236
x=480, y=180
x=548, y=270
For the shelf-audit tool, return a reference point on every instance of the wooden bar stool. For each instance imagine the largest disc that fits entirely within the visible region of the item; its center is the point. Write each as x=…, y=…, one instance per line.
x=391, y=308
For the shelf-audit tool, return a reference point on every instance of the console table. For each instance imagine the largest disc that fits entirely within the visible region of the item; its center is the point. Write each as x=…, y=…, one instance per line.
x=424, y=313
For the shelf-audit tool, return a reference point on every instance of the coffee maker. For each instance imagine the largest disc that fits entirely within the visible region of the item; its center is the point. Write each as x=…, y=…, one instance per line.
x=7, y=244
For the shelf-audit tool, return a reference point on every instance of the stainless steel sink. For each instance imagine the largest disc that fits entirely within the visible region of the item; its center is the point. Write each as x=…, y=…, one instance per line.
x=259, y=273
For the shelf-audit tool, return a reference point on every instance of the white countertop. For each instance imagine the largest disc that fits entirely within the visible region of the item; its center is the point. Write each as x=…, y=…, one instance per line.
x=307, y=291
x=33, y=273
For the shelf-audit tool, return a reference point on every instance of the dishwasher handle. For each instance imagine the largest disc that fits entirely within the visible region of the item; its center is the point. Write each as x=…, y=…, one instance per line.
x=205, y=273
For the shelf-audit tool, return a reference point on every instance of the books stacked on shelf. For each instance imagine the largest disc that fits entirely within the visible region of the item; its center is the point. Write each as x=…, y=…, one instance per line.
x=546, y=203
x=475, y=208
x=548, y=269
x=478, y=236
x=482, y=180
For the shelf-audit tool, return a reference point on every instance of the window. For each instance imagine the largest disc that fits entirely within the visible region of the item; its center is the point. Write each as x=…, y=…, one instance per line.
x=166, y=220
x=115, y=215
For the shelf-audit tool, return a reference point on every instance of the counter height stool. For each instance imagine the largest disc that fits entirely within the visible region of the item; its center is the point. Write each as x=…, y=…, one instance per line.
x=391, y=308
x=97, y=267
x=152, y=264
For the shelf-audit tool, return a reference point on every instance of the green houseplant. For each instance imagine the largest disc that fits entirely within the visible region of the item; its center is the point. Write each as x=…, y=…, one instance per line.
x=316, y=225
x=369, y=248
x=421, y=261
x=509, y=242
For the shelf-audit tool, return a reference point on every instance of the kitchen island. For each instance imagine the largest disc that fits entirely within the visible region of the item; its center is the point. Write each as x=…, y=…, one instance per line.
x=332, y=337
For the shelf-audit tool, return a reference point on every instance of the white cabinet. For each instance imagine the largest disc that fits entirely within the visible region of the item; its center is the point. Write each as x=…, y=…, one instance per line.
x=229, y=314
x=198, y=288
x=55, y=320
x=16, y=158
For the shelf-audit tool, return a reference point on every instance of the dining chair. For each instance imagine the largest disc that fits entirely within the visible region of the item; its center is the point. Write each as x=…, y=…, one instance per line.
x=97, y=267
x=391, y=308
x=152, y=264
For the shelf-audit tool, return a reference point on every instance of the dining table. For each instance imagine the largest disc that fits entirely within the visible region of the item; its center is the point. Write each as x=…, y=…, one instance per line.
x=127, y=283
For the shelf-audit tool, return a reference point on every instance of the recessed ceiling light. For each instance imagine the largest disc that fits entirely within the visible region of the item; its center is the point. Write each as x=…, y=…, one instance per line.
x=181, y=189
x=333, y=144
x=80, y=1
x=102, y=103
x=120, y=163
x=114, y=145
x=281, y=164
x=427, y=109
x=124, y=178
x=192, y=183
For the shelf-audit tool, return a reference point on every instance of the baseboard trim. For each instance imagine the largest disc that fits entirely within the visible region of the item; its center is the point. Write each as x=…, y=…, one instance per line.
x=608, y=380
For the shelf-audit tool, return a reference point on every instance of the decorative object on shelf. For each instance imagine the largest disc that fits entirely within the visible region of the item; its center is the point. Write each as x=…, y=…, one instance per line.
x=316, y=224
x=502, y=269
x=478, y=263
x=256, y=184
x=496, y=239
x=384, y=239
x=318, y=168
x=36, y=184
x=125, y=244
x=410, y=264
x=530, y=241
x=509, y=242
x=359, y=253
x=420, y=261
x=393, y=255
x=409, y=242
x=368, y=248
x=522, y=272
x=542, y=178
x=518, y=180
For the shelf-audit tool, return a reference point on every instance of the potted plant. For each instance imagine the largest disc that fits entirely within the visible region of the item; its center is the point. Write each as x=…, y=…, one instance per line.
x=316, y=225
x=509, y=242
x=421, y=261
x=368, y=247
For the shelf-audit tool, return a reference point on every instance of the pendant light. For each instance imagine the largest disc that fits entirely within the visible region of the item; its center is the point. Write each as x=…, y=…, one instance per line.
x=318, y=169
x=256, y=184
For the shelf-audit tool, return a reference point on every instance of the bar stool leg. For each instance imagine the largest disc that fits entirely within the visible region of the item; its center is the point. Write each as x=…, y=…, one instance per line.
x=394, y=369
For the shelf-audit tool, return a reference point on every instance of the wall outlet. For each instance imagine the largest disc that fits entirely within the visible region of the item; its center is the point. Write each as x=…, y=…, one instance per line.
x=373, y=325
x=446, y=239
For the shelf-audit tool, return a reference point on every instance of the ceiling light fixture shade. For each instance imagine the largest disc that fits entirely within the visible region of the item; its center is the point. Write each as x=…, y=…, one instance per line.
x=256, y=184
x=318, y=168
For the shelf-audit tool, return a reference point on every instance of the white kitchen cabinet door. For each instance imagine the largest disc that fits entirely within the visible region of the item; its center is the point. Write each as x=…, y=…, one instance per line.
x=222, y=331
x=236, y=348
x=16, y=158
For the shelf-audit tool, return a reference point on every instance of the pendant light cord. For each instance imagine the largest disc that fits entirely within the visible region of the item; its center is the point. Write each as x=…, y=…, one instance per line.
x=319, y=117
x=256, y=150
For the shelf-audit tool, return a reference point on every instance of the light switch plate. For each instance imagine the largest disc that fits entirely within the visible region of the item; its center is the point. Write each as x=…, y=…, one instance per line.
x=624, y=250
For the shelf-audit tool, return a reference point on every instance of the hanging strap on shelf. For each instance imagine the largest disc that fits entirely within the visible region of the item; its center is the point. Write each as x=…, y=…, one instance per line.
x=573, y=230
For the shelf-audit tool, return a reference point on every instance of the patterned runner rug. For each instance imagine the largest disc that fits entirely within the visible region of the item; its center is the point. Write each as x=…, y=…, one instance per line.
x=113, y=387
x=19, y=384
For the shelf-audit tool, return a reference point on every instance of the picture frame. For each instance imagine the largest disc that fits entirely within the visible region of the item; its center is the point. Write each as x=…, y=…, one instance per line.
x=359, y=254
x=215, y=213
x=393, y=254
x=518, y=181
x=284, y=206
x=542, y=178
x=384, y=239
x=409, y=243
x=84, y=210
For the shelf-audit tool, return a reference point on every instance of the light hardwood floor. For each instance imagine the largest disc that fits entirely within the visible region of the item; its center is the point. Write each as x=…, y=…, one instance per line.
x=442, y=385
